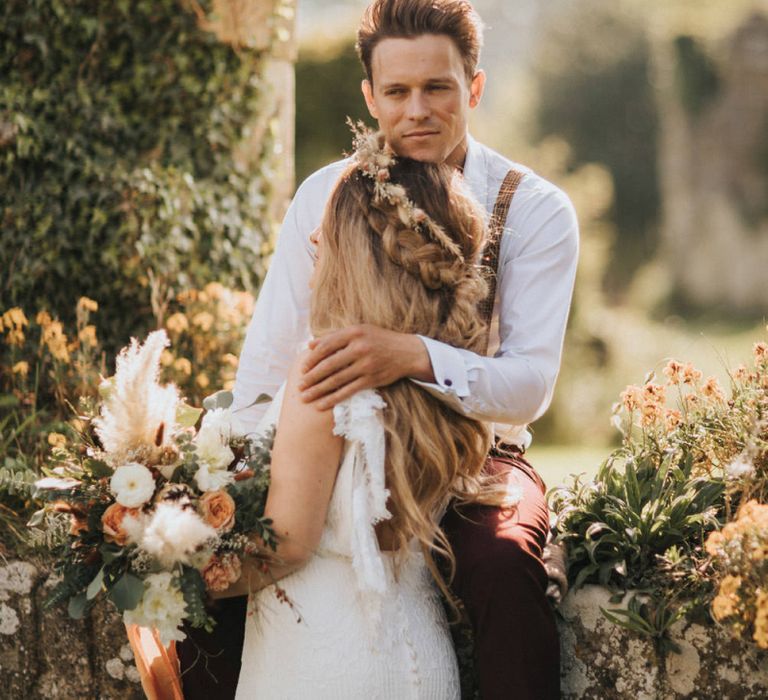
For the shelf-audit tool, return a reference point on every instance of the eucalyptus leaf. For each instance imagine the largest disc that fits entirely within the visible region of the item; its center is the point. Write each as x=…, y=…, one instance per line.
x=77, y=606
x=186, y=415
x=127, y=592
x=95, y=586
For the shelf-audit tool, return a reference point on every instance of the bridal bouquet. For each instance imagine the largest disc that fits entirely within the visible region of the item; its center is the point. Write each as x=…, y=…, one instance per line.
x=151, y=509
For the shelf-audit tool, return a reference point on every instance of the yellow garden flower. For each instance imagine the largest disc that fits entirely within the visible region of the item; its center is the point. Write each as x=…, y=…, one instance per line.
x=14, y=321
x=184, y=366
x=54, y=338
x=723, y=606
x=214, y=290
x=15, y=318
x=86, y=304
x=43, y=318
x=203, y=320
x=730, y=584
x=714, y=543
x=87, y=336
x=21, y=368
x=202, y=380
x=761, y=620
x=57, y=440
x=177, y=323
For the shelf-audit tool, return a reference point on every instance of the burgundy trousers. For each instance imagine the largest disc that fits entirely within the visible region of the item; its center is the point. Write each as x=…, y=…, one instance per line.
x=501, y=580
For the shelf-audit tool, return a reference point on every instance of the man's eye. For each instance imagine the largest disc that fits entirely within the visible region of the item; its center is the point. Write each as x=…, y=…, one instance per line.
x=396, y=91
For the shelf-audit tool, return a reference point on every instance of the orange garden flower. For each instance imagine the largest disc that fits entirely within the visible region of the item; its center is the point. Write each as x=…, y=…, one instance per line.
x=222, y=571
x=112, y=522
x=673, y=371
x=691, y=375
x=632, y=397
x=712, y=390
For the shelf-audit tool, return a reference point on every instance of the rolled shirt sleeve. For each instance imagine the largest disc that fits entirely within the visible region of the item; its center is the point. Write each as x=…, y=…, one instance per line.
x=538, y=255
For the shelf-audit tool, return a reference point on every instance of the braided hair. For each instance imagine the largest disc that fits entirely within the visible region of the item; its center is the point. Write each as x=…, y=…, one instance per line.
x=379, y=266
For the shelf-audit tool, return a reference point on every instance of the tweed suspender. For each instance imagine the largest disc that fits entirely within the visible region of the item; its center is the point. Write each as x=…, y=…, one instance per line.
x=491, y=252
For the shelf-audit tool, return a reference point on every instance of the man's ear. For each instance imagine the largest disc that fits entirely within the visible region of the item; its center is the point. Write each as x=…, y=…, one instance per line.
x=476, y=88
x=367, y=89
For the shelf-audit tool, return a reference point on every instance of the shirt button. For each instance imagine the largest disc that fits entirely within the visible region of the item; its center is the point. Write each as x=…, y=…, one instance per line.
x=448, y=382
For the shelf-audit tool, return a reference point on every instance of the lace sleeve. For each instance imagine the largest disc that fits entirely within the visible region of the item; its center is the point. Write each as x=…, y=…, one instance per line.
x=358, y=419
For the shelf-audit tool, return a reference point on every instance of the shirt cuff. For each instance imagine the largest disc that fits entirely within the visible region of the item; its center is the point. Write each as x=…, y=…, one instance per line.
x=448, y=367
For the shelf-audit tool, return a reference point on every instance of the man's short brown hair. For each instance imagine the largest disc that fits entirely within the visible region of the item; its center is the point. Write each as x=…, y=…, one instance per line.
x=406, y=19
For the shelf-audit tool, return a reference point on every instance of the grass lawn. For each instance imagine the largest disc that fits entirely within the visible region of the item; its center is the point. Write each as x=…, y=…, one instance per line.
x=555, y=463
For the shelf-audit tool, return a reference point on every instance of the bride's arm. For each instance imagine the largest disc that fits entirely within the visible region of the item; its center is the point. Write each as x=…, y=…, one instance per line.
x=305, y=459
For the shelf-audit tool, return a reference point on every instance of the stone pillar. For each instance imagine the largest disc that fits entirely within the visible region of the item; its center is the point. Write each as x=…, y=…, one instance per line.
x=713, y=167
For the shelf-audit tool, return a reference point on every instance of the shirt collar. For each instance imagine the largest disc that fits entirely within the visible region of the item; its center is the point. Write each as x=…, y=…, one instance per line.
x=474, y=172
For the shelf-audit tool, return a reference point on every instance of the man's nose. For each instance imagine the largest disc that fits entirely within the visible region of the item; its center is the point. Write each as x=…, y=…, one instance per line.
x=417, y=107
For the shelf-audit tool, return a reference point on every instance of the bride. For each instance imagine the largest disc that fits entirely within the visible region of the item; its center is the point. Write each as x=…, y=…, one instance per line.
x=357, y=493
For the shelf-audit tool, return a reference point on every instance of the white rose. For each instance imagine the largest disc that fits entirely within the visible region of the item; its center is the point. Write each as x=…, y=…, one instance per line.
x=132, y=484
x=212, y=442
x=162, y=607
x=211, y=479
x=225, y=422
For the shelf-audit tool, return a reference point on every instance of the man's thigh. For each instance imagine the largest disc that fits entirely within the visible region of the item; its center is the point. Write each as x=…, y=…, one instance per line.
x=487, y=539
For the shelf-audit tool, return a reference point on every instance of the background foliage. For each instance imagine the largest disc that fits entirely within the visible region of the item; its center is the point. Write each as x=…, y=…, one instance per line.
x=118, y=124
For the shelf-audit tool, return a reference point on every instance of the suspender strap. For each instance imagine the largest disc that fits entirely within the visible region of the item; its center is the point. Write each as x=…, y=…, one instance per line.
x=491, y=252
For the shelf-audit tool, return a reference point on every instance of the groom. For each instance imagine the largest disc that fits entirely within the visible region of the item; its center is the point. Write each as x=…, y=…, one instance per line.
x=422, y=81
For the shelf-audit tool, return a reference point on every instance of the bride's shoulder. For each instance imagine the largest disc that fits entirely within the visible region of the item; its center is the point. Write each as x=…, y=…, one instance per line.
x=297, y=416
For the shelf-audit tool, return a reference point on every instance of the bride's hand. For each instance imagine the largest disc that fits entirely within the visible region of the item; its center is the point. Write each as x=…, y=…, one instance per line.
x=343, y=362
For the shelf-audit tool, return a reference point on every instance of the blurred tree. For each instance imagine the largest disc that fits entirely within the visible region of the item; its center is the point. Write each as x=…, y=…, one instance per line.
x=327, y=92
x=594, y=90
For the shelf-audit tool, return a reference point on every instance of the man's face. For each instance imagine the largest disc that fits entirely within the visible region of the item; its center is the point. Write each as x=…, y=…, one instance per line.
x=421, y=97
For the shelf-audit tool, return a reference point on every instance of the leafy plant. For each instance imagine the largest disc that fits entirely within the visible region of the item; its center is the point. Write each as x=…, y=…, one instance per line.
x=649, y=522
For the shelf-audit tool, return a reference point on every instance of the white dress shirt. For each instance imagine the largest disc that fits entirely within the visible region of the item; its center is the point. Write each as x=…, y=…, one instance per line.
x=537, y=268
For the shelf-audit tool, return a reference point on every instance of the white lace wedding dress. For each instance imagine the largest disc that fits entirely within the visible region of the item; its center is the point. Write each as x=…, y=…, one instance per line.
x=354, y=631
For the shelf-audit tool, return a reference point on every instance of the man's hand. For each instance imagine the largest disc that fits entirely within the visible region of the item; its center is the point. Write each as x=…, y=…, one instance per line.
x=360, y=357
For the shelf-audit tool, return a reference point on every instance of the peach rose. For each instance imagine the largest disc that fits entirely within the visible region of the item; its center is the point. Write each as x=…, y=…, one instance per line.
x=218, y=510
x=221, y=571
x=112, y=522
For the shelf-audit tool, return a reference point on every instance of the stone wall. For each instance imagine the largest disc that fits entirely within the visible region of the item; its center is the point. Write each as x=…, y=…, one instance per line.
x=602, y=661
x=44, y=654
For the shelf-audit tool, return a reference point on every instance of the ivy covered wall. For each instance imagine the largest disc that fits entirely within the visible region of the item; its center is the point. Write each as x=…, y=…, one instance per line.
x=142, y=147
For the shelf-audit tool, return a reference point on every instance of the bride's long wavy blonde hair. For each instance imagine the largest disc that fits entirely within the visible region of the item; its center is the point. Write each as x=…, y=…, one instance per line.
x=373, y=268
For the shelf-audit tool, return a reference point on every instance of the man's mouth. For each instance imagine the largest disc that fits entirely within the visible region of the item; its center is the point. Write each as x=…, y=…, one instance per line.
x=421, y=133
